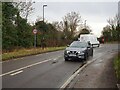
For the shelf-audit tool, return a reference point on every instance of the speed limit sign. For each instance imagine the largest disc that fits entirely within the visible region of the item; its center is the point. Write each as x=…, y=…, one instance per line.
x=35, y=31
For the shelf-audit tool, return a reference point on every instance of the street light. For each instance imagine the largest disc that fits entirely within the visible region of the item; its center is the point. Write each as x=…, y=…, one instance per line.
x=43, y=28
x=43, y=11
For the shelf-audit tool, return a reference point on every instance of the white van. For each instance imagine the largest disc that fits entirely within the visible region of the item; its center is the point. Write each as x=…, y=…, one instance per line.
x=89, y=37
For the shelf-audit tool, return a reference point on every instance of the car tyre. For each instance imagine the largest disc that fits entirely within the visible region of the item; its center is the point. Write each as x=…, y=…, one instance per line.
x=85, y=56
x=66, y=59
x=98, y=45
x=92, y=53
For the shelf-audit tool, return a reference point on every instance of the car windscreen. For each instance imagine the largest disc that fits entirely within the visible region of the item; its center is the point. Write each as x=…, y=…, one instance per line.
x=78, y=44
x=88, y=38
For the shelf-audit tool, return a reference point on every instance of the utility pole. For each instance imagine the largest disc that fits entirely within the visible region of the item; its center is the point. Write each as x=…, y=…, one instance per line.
x=35, y=39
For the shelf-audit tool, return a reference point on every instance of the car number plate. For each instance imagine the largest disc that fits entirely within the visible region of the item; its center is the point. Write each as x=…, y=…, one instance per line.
x=72, y=55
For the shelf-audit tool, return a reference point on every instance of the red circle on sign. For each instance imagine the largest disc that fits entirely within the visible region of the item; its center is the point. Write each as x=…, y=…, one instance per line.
x=35, y=31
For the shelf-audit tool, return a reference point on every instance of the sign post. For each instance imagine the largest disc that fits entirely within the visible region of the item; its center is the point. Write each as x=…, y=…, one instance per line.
x=35, y=32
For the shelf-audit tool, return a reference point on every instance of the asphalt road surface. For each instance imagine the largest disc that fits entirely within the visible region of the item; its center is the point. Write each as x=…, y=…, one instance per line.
x=48, y=70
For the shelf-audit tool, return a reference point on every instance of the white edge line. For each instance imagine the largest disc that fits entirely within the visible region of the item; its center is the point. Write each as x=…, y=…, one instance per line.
x=25, y=67
x=75, y=74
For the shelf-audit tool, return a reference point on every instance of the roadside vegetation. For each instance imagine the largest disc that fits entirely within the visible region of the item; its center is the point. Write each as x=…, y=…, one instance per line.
x=111, y=31
x=27, y=52
x=117, y=66
x=17, y=32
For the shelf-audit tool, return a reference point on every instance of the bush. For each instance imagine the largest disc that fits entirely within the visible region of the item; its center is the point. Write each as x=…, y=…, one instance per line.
x=117, y=66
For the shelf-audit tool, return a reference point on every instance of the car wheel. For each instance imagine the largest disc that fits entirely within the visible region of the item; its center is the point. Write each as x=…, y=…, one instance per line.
x=92, y=53
x=98, y=45
x=66, y=59
x=92, y=45
x=85, y=56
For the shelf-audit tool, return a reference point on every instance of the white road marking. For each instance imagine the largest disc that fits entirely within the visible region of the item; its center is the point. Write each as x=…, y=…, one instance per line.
x=28, y=66
x=78, y=71
x=16, y=73
x=75, y=74
x=25, y=67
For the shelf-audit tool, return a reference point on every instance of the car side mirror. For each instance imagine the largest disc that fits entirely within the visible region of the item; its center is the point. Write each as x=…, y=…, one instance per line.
x=88, y=46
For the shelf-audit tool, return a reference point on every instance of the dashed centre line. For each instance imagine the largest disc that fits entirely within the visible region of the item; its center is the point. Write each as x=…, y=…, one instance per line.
x=20, y=70
x=16, y=73
x=25, y=67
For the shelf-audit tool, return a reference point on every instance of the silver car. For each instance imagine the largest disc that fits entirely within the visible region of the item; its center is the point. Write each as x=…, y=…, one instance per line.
x=78, y=50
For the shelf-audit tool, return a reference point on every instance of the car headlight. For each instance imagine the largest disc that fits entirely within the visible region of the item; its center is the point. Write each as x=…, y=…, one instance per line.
x=67, y=51
x=81, y=52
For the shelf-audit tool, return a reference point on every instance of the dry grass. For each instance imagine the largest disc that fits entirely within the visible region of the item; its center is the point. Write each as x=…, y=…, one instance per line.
x=27, y=52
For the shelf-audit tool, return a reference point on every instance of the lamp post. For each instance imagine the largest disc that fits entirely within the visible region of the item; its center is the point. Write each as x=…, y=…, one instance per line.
x=43, y=11
x=43, y=42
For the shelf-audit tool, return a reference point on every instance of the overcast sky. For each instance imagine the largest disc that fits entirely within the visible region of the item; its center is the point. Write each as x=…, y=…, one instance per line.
x=96, y=13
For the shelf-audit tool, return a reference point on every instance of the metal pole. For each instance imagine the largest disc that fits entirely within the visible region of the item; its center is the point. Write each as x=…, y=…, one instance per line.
x=35, y=40
x=43, y=23
x=43, y=13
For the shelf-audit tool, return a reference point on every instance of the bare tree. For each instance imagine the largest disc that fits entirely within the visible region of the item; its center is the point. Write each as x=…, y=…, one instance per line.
x=24, y=8
x=39, y=18
x=56, y=25
x=113, y=22
x=73, y=20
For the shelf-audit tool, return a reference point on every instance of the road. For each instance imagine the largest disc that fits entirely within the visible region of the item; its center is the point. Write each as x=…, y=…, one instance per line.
x=48, y=70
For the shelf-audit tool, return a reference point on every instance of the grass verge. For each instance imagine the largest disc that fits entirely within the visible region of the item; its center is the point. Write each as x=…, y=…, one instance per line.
x=117, y=66
x=27, y=52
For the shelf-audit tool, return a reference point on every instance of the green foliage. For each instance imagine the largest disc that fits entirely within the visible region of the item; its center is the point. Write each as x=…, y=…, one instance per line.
x=117, y=66
x=17, y=33
x=8, y=28
x=47, y=34
x=111, y=32
x=24, y=33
